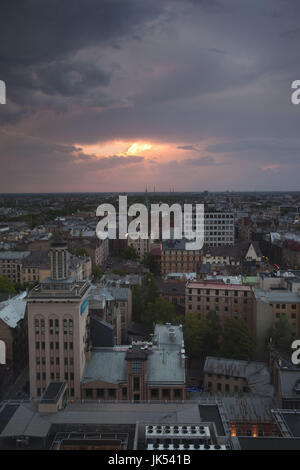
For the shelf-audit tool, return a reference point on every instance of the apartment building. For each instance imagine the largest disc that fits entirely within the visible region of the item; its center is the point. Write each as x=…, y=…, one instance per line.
x=219, y=228
x=58, y=327
x=11, y=264
x=36, y=266
x=227, y=300
x=175, y=258
x=281, y=303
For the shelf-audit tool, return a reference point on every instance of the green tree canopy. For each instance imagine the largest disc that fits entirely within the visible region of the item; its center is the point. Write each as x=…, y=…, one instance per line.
x=237, y=340
x=158, y=311
x=149, y=261
x=6, y=286
x=129, y=252
x=201, y=335
x=282, y=334
x=97, y=272
x=81, y=252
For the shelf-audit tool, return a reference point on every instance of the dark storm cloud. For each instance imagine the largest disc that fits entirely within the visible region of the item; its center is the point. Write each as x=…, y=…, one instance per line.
x=39, y=40
x=35, y=31
x=209, y=72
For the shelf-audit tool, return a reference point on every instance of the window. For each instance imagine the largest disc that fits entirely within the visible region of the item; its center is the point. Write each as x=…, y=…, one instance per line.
x=65, y=327
x=100, y=393
x=166, y=393
x=112, y=393
x=136, y=367
x=124, y=392
x=136, y=383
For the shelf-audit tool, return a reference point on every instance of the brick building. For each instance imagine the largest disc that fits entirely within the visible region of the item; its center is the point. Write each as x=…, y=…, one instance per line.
x=227, y=300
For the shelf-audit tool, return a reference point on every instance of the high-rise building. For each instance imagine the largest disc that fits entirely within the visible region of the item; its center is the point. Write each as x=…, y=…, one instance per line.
x=58, y=329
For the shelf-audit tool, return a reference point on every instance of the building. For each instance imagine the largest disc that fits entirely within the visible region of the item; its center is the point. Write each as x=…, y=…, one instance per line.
x=36, y=267
x=142, y=371
x=174, y=292
x=175, y=258
x=117, y=426
x=281, y=303
x=113, y=305
x=141, y=246
x=11, y=264
x=58, y=330
x=236, y=376
x=13, y=331
x=227, y=300
x=232, y=255
x=219, y=227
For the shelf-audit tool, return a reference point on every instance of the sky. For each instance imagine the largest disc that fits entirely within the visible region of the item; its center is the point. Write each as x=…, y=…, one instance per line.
x=120, y=95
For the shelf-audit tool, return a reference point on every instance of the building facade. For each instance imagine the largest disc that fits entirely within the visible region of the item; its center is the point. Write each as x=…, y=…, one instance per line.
x=58, y=329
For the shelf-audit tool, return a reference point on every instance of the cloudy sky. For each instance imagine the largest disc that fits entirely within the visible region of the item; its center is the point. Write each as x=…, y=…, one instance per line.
x=117, y=95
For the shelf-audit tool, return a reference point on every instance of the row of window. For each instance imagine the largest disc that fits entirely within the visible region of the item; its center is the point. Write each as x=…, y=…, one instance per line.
x=41, y=345
x=216, y=292
x=227, y=388
x=53, y=376
x=53, y=326
x=67, y=361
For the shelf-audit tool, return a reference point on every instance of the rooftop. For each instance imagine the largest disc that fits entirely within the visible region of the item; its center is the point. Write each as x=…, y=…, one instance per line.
x=14, y=254
x=13, y=310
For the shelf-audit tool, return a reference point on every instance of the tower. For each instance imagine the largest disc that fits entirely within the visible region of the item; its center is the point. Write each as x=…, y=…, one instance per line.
x=58, y=327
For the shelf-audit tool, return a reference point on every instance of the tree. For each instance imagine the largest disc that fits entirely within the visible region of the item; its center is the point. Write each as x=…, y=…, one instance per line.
x=150, y=288
x=282, y=334
x=149, y=261
x=201, y=335
x=129, y=252
x=158, y=311
x=81, y=252
x=97, y=272
x=138, y=303
x=119, y=271
x=6, y=286
x=237, y=340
